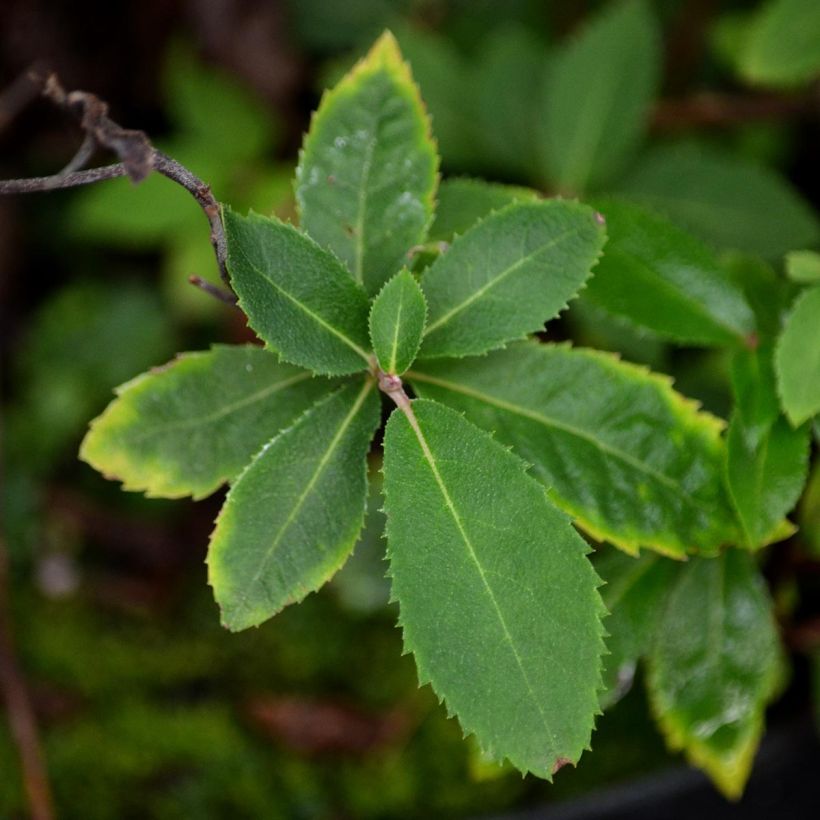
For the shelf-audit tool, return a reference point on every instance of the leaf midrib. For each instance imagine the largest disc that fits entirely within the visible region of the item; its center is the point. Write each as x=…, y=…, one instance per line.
x=473, y=297
x=361, y=210
x=305, y=309
x=259, y=395
x=428, y=455
x=242, y=604
x=548, y=421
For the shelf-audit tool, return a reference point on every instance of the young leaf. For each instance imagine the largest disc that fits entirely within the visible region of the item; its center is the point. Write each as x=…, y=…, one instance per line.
x=367, y=172
x=581, y=418
x=598, y=93
x=297, y=296
x=498, y=602
x=766, y=474
x=714, y=665
x=508, y=275
x=634, y=592
x=663, y=279
x=186, y=428
x=783, y=46
x=724, y=200
x=803, y=267
x=397, y=322
x=463, y=201
x=293, y=516
x=797, y=359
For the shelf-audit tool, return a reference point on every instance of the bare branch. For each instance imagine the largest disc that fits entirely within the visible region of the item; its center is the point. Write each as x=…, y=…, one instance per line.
x=212, y=290
x=138, y=158
x=710, y=109
x=34, y=185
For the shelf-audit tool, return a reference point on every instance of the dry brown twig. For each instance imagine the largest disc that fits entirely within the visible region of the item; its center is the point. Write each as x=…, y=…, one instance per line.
x=137, y=159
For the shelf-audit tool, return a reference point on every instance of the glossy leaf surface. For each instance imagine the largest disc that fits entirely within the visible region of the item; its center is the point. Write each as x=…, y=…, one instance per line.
x=186, y=428
x=294, y=515
x=297, y=296
x=766, y=474
x=397, y=322
x=723, y=199
x=634, y=592
x=463, y=201
x=783, y=46
x=367, y=172
x=634, y=462
x=714, y=665
x=508, y=275
x=597, y=97
x=498, y=601
x=661, y=278
x=797, y=359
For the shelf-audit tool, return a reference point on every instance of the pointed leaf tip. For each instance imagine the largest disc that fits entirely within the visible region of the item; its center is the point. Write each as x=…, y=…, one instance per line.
x=498, y=601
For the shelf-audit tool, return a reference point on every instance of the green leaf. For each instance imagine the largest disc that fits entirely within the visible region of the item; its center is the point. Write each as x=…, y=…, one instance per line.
x=714, y=665
x=294, y=515
x=366, y=179
x=797, y=359
x=188, y=427
x=632, y=460
x=723, y=199
x=766, y=474
x=598, y=92
x=803, y=266
x=766, y=292
x=297, y=296
x=661, y=278
x=512, y=63
x=498, y=601
x=463, y=201
x=397, y=322
x=508, y=275
x=634, y=593
x=809, y=511
x=783, y=44
x=753, y=385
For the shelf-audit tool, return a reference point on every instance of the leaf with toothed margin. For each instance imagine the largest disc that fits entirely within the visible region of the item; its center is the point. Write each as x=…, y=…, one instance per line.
x=186, y=428
x=632, y=460
x=397, y=322
x=714, y=665
x=293, y=516
x=366, y=179
x=634, y=592
x=509, y=275
x=797, y=359
x=660, y=278
x=498, y=601
x=297, y=296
